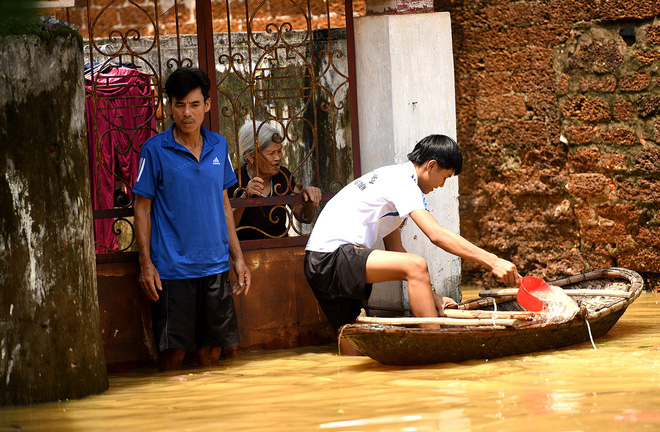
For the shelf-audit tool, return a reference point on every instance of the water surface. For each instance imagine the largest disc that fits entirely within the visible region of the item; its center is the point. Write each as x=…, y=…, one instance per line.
x=616, y=387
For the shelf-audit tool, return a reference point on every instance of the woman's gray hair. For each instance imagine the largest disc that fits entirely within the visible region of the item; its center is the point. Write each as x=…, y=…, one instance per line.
x=246, y=141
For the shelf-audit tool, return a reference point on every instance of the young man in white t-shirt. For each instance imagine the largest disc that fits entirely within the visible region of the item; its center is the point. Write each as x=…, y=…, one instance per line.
x=340, y=264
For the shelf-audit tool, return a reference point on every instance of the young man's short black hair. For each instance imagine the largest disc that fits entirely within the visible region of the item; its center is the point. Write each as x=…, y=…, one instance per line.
x=440, y=148
x=186, y=79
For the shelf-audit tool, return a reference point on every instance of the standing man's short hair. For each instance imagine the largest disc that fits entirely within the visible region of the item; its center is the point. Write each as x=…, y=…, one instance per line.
x=186, y=79
x=440, y=148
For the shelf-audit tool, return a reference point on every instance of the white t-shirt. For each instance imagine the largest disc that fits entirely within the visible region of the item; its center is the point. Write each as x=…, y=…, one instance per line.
x=368, y=209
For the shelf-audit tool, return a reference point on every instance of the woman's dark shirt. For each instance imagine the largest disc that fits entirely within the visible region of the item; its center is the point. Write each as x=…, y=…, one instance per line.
x=261, y=217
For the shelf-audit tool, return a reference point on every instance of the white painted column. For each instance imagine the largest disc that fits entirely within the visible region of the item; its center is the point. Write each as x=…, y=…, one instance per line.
x=405, y=83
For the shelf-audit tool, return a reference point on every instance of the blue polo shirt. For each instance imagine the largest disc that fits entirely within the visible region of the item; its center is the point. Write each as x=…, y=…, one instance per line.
x=188, y=226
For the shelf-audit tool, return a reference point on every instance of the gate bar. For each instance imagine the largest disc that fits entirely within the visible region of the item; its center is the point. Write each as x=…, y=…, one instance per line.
x=204, y=17
x=352, y=87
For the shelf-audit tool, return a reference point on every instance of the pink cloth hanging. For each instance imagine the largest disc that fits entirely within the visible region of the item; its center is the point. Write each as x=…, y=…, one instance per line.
x=120, y=119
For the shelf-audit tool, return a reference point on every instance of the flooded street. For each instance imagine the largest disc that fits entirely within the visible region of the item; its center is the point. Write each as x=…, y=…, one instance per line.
x=616, y=387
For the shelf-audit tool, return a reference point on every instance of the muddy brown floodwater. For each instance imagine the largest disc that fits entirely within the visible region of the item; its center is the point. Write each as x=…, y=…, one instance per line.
x=616, y=387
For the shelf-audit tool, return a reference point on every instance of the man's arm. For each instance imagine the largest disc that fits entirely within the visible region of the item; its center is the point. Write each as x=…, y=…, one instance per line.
x=149, y=277
x=241, y=270
x=453, y=243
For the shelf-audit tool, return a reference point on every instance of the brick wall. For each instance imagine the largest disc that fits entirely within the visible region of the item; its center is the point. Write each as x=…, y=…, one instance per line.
x=559, y=120
x=120, y=15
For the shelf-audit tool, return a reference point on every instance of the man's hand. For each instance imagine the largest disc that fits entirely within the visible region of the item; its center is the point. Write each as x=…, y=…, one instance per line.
x=506, y=271
x=312, y=195
x=243, y=278
x=150, y=280
x=441, y=302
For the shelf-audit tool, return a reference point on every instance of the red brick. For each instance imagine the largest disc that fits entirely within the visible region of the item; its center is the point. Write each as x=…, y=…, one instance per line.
x=646, y=58
x=585, y=160
x=549, y=35
x=588, y=185
x=613, y=162
x=513, y=14
x=641, y=191
x=597, y=57
x=529, y=132
x=542, y=105
x=469, y=63
x=606, y=84
x=620, y=136
x=597, y=257
x=622, y=110
x=635, y=82
x=563, y=83
x=616, y=10
x=579, y=135
x=656, y=127
x=648, y=105
x=495, y=107
x=649, y=237
x=566, y=11
x=605, y=232
x=590, y=110
x=648, y=160
x=533, y=81
x=622, y=213
x=653, y=34
x=498, y=83
x=640, y=259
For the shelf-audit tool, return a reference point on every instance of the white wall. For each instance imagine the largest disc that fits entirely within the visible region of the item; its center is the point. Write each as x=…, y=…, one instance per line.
x=405, y=82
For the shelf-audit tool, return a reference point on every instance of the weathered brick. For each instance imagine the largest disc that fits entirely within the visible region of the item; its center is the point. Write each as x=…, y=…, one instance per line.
x=498, y=83
x=604, y=232
x=635, y=82
x=641, y=191
x=646, y=58
x=620, y=136
x=565, y=11
x=466, y=85
x=640, y=259
x=656, y=127
x=533, y=81
x=529, y=132
x=585, y=109
x=653, y=34
x=597, y=57
x=548, y=35
x=563, y=84
x=588, y=185
x=469, y=63
x=544, y=156
x=613, y=162
x=605, y=85
x=584, y=212
x=598, y=257
x=648, y=160
x=623, y=110
x=501, y=106
x=648, y=105
x=585, y=160
x=579, y=135
x=542, y=105
x=617, y=10
x=622, y=213
x=649, y=237
x=509, y=14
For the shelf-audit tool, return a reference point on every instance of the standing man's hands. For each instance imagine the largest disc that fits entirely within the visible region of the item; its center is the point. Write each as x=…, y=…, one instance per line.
x=243, y=278
x=150, y=280
x=506, y=271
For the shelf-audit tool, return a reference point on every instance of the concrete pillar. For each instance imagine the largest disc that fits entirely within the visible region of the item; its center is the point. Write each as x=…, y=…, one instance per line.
x=50, y=340
x=405, y=82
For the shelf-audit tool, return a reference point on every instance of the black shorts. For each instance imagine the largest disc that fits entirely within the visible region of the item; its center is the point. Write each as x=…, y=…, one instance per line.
x=194, y=313
x=338, y=281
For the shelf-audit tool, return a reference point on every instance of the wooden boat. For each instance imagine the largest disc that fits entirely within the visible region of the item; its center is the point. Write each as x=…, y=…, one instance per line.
x=475, y=330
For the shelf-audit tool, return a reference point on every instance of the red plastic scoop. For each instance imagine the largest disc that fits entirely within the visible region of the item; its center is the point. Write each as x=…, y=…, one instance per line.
x=530, y=286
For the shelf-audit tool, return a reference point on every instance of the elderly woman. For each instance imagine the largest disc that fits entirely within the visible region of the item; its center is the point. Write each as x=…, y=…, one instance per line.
x=261, y=175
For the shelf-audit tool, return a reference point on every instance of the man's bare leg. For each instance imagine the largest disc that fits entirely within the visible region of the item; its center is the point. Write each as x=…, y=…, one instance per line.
x=209, y=356
x=171, y=359
x=391, y=266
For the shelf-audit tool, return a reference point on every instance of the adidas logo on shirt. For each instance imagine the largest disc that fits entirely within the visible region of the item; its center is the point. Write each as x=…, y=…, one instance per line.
x=216, y=161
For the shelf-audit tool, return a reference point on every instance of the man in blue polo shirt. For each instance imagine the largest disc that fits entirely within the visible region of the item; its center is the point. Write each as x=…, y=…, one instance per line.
x=185, y=229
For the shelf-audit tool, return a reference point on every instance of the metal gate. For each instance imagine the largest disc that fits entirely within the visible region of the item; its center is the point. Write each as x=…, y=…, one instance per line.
x=263, y=68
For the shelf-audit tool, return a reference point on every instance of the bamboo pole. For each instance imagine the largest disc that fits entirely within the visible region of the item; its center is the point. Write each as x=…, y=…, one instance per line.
x=458, y=313
x=570, y=292
x=438, y=320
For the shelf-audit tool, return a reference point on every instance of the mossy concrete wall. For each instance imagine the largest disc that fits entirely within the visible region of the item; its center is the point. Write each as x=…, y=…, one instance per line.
x=50, y=342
